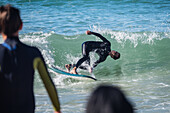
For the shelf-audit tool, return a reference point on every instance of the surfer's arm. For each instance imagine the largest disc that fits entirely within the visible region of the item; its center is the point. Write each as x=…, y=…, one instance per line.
x=98, y=35
x=48, y=83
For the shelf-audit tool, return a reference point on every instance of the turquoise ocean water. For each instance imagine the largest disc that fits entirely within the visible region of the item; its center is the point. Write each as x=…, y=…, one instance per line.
x=138, y=29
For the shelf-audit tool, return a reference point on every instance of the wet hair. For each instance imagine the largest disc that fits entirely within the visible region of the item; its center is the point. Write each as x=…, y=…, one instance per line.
x=10, y=20
x=108, y=99
x=116, y=56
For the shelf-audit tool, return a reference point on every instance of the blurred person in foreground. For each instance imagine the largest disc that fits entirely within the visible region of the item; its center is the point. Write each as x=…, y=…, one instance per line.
x=108, y=99
x=18, y=62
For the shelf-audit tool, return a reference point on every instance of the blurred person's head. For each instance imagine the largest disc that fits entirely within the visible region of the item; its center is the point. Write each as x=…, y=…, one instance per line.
x=108, y=99
x=10, y=20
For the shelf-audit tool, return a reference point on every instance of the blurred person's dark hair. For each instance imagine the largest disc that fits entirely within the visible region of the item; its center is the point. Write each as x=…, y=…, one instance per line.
x=108, y=99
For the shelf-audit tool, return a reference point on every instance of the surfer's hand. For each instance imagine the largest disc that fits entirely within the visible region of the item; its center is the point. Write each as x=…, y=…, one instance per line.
x=88, y=32
x=90, y=70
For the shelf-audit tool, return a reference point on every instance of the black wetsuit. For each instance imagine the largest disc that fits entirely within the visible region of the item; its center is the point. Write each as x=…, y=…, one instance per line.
x=101, y=48
x=17, y=65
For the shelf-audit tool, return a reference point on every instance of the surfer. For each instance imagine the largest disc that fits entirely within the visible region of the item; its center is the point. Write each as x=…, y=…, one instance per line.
x=102, y=48
x=18, y=62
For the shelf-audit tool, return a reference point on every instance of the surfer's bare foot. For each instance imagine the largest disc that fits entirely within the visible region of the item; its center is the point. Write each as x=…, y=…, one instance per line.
x=73, y=71
x=68, y=66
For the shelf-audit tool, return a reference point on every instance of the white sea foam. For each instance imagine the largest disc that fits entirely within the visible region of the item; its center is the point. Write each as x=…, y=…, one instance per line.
x=134, y=37
x=39, y=39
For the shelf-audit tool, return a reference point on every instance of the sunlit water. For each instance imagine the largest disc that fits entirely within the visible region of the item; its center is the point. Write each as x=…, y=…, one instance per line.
x=139, y=30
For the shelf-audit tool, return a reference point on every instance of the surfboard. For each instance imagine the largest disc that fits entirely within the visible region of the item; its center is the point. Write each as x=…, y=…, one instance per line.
x=57, y=70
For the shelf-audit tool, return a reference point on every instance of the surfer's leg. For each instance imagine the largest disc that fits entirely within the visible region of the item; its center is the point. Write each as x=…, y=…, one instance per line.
x=85, y=53
x=87, y=62
x=81, y=61
x=74, y=70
